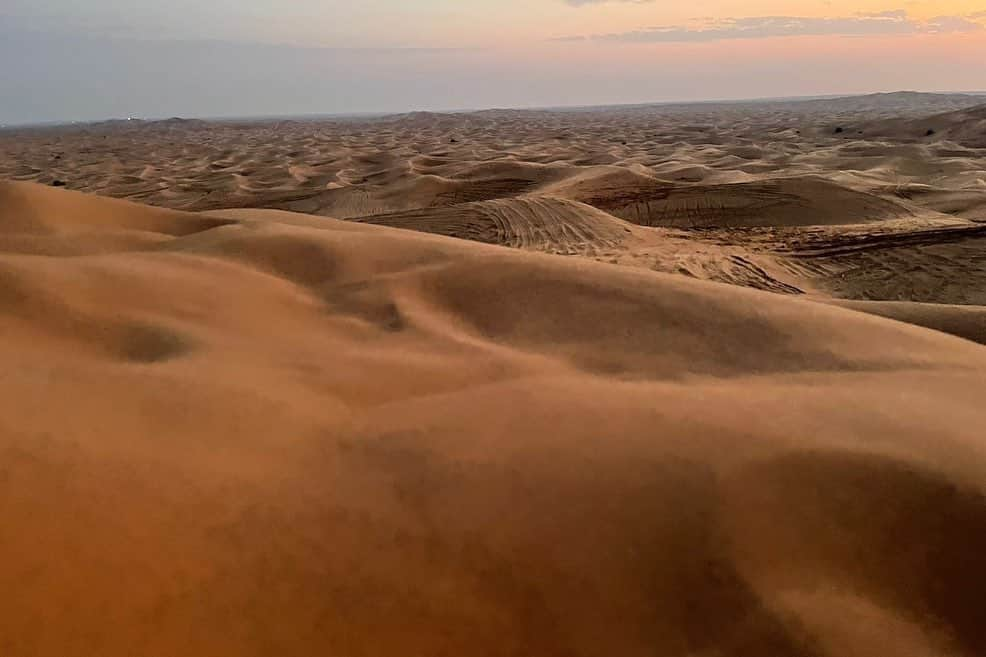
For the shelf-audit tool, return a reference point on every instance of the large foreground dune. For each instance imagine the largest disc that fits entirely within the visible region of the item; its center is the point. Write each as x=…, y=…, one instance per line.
x=265, y=433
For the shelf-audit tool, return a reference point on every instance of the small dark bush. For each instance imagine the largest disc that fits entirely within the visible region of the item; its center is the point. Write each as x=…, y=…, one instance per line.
x=57, y=183
x=930, y=132
x=839, y=130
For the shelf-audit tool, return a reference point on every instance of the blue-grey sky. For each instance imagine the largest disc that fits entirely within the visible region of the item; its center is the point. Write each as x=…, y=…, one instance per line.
x=70, y=60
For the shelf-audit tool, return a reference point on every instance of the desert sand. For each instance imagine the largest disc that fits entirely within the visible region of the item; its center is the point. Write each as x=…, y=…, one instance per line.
x=280, y=407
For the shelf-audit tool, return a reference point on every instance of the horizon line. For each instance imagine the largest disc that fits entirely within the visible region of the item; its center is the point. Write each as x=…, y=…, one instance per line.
x=532, y=108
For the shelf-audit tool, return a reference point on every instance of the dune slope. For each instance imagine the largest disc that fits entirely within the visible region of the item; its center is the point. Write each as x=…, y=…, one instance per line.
x=965, y=126
x=536, y=223
x=777, y=203
x=278, y=434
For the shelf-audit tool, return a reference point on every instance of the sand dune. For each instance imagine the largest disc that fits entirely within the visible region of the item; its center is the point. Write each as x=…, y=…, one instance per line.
x=966, y=321
x=281, y=434
x=283, y=408
x=965, y=203
x=779, y=202
x=964, y=126
x=538, y=223
x=825, y=197
x=936, y=265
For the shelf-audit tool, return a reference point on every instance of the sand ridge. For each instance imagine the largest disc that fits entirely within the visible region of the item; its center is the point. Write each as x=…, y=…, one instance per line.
x=965, y=127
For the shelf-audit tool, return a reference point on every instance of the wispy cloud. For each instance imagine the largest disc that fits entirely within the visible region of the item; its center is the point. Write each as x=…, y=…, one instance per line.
x=763, y=27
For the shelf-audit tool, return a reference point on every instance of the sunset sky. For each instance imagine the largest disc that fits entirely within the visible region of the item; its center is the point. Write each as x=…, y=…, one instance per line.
x=62, y=59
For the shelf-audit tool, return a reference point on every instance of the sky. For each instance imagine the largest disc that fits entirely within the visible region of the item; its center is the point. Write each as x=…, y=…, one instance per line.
x=71, y=60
